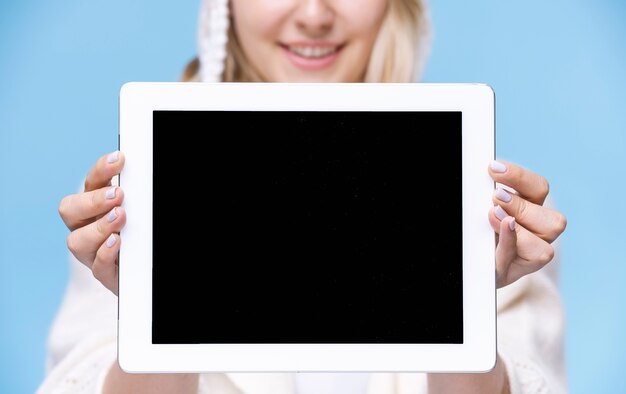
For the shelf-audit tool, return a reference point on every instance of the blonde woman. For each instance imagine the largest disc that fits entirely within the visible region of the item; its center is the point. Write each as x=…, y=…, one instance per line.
x=312, y=41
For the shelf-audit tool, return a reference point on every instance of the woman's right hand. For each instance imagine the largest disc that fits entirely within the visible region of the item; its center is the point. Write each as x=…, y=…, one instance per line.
x=95, y=218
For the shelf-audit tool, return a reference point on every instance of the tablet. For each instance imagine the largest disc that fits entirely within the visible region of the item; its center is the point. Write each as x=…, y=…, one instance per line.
x=306, y=227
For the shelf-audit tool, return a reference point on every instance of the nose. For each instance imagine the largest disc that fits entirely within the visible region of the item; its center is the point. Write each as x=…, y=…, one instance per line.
x=315, y=17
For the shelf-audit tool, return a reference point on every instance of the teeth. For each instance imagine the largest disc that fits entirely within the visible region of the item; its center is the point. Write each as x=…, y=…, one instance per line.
x=312, y=52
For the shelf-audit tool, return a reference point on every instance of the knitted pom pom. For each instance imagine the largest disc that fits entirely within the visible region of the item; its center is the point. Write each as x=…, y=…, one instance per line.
x=212, y=38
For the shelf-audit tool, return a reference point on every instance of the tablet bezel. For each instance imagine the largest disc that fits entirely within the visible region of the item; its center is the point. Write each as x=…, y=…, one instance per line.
x=136, y=353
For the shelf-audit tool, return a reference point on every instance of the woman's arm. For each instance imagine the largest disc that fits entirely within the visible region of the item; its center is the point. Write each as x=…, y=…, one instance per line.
x=495, y=381
x=530, y=329
x=120, y=382
x=82, y=343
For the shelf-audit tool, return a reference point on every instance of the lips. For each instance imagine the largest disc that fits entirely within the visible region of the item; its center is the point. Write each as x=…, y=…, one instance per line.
x=312, y=56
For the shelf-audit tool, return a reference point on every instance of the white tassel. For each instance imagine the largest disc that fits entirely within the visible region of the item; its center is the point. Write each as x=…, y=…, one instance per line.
x=212, y=39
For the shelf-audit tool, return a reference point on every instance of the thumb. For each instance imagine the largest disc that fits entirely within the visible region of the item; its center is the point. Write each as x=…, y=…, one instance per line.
x=506, y=251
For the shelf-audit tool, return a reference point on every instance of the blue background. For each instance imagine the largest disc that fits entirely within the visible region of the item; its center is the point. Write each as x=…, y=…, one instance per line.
x=558, y=68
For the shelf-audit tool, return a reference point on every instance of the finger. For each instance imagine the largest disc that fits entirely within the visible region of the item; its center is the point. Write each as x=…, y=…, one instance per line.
x=533, y=187
x=494, y=221
x=104, y=266
x=532, y=251
x=105, y=168
x=81, y=209
x=546, y=223
x=506, y=251
x=85, y=241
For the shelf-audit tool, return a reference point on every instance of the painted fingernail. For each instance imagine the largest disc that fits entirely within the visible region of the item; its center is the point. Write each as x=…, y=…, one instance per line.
x=512, y=224
x=502, y=195
x=112, y=215
x=500, y=213
x=110, y=193
x=111, y=241
x=498, y=167
x=113, y=157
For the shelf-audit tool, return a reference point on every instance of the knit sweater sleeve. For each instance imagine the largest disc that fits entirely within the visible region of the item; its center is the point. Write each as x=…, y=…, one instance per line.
x=82, y=341
x=531, y=331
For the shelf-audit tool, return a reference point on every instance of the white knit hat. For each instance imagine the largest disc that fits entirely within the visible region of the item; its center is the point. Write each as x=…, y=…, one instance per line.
x=213, y=36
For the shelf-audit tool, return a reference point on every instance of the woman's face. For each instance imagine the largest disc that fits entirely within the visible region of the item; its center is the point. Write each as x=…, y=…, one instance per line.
x=308, y=40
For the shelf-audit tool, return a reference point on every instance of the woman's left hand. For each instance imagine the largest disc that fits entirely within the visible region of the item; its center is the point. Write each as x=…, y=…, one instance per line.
x=524, y=226
x=525, y=231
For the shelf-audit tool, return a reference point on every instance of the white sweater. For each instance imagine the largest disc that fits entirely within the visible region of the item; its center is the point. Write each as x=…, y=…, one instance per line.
x=82, y=344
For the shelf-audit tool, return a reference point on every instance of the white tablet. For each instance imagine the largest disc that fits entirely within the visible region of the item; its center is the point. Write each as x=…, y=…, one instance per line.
x=307, y=227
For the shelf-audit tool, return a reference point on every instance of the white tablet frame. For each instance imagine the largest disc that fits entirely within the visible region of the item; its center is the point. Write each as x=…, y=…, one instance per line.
x=135, y=350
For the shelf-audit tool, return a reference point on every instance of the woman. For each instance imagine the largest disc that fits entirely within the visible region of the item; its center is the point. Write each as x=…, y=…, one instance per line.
x=313, y=41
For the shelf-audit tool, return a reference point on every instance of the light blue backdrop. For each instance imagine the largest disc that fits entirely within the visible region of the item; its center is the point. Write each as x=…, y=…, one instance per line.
x=558, y=68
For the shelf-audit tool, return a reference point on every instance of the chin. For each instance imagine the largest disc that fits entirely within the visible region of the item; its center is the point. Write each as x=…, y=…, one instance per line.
x=310, y=77
x=313, y=79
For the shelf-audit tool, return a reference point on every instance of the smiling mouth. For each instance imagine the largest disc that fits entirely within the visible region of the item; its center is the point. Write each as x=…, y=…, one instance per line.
x=312, y=56
x=312, y=52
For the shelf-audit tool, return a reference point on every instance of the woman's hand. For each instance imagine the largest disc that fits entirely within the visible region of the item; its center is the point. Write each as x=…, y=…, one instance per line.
x=95, y=219
x=524, y=226
x=525, y=231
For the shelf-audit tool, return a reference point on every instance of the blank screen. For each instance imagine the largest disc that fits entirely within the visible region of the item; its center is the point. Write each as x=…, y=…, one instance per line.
x=307, y=227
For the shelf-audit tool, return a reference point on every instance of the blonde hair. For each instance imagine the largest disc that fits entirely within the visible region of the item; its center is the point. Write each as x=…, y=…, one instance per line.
x=392, y=59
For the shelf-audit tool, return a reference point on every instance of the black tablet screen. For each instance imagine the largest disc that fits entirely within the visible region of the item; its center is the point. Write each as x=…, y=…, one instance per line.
x=307, y=227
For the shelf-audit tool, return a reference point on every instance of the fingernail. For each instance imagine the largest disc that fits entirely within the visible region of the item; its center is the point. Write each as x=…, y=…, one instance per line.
x=112, y=215
x=502, y=195
x=112, y=158
x=500, y=213
x=111, y=241
x=498, y=167
x=110, y=193
x=512, y=224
